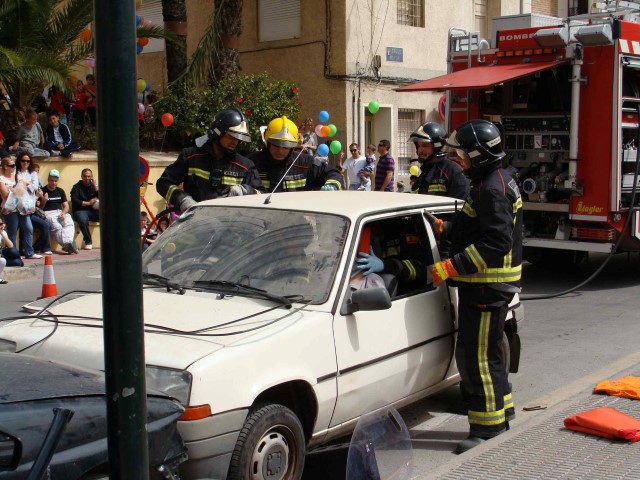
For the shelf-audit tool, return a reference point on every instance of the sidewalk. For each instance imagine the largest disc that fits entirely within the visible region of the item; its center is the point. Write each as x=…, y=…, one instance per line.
x=33, y=267
x=541, y=448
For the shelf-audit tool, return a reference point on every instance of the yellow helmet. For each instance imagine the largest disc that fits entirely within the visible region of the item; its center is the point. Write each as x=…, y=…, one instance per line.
x=282, y=132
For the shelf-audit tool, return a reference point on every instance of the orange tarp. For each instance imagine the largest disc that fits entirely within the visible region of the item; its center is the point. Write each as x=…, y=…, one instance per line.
x=626, y=387
x=605, y=422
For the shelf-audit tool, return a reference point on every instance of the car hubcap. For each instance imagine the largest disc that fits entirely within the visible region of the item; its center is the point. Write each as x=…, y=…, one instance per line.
x=271, y=457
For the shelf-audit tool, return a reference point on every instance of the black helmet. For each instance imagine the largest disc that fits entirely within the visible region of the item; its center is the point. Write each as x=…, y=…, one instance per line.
x=230, y=121
x=480, y=139
x=432, y=133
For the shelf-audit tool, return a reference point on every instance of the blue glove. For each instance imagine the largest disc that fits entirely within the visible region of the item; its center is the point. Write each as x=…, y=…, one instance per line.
x=331, y=188
x=369, y=263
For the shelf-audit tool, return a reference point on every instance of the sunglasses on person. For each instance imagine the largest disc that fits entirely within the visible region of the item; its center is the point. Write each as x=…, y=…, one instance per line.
x=25, y=160
x=380, y=145
x=353, y=151
x=11, y=165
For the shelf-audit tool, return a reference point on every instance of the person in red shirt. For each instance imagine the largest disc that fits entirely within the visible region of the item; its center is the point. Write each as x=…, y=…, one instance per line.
x=59, y=103
x=79, y=105
x=90, y=92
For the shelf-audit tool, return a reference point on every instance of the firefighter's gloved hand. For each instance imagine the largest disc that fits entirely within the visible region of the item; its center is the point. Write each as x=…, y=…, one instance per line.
x=186, y=203
x=441, y=271
x=368, y=263
x=328, y=187
x=436, y=224
x=237, y=191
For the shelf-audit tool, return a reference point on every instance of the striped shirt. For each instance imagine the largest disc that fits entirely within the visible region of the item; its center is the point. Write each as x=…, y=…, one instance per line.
x=385, y=164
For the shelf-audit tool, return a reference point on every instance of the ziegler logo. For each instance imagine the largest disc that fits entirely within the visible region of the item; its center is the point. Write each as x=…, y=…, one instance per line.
x=519, y=36
x=589, y=210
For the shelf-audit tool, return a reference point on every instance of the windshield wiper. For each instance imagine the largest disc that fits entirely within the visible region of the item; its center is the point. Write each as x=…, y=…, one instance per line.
x=155, y=279
x=241, y=288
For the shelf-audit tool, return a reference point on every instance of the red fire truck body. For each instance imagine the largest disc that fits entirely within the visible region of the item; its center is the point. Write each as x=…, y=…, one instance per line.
x=566, y=98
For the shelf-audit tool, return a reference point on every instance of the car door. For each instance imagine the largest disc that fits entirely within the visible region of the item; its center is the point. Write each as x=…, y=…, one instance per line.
x=386, y=355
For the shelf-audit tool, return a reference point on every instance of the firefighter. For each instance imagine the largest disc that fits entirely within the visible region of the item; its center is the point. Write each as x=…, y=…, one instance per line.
x=485, y=265
x=438, y=174
x=298, y=171
x=212, y=168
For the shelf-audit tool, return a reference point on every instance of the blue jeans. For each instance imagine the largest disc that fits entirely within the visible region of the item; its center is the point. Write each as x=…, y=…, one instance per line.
x=44, y=240
x=15, y=220
x=83, y=217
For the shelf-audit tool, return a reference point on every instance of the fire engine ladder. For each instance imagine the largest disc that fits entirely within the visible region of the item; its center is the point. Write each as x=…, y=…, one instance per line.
x=459, y=41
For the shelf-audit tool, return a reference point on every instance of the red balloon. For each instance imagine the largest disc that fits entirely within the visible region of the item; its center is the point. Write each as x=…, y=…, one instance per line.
x=167, y=120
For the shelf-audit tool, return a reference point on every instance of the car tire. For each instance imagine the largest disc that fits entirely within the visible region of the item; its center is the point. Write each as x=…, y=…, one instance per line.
x=270, y=446
x=506, y=353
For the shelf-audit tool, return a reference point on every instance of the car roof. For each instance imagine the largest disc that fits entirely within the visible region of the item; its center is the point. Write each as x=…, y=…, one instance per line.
x=348, y=203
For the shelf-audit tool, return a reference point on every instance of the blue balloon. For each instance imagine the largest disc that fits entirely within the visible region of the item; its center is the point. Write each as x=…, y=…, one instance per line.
x=139, y=49
x=323, y=116
x=138, y=20
x=323, y=150
x=148, y=87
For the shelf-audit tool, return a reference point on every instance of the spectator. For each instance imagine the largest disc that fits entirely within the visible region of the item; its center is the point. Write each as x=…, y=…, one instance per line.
x=282, y=169
x=58, y=138
x=90, y=98
x=3, y=148
x=149, y=112
x=163, y=224
x=56, y=208
x=28, y=178
x=353, y=166
x=59, y=102
x=220, y=171
x=10, y=256
x=79, y=105
x=39, y=219
x=150, y=235
x=370, y=166
x=400, y=187
x=308, y=137
x=30, y=138
x=13, y=195
x=84, y=199
x=386, y=168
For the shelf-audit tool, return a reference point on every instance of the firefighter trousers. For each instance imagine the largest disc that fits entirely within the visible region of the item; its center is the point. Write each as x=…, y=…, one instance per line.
x=480, y=358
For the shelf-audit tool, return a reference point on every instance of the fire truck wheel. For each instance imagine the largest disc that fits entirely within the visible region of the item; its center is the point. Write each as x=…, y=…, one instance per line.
x=506, y=355
x=552, y=258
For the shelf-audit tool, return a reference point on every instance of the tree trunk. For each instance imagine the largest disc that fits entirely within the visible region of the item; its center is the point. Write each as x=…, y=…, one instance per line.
x=228, y=14
x=174, y=14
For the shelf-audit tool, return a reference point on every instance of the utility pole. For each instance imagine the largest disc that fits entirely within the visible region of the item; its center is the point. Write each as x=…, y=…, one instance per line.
x=118, y=165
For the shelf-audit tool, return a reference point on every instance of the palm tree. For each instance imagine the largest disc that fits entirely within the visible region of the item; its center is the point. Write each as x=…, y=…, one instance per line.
x=174, y=14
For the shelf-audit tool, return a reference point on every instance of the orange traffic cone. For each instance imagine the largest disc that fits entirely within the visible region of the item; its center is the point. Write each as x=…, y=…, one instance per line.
x=49, y=288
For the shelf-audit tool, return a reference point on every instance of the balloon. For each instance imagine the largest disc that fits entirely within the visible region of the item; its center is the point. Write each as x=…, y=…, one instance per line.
x=335, y=147
x=138, y=20
x=414, y=170
x=91, y=63
x=143, y=41
x=141, y=85
x=140, y=108
x=332, y=129
x=374, y=107
x=323, y=150
x=325, y=131
x=138, y=3
x=319, y=129
x=148, y=23
x=323, y=116
x=85, y=35
x=139, y=49
x=147, y=88
x=167, y=120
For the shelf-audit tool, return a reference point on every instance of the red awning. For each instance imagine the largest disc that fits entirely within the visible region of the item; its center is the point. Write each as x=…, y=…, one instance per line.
x=480, y=77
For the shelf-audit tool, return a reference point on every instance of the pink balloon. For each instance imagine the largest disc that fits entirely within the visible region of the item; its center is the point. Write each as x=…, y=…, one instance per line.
x=91, y=63
x=319, y=130
x=140, y=108
x=147, y=23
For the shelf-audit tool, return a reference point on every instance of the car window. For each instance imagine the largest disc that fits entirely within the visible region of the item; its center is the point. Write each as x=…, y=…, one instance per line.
x=403, y=245
x=283, y=252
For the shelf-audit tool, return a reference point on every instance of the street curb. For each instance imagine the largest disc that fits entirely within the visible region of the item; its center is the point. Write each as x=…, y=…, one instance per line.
x=31, y=269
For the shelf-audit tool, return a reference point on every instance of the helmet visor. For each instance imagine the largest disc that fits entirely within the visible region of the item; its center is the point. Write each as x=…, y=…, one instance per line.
x=451, y=144
x=241, y=132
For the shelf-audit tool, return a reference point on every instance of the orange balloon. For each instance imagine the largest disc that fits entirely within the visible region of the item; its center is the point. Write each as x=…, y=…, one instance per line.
x=85, y=35
x=143, y=41
x=325, y=130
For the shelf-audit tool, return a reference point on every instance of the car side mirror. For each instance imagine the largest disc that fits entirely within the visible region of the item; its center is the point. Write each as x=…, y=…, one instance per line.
x=367, y=299
x=10, y=451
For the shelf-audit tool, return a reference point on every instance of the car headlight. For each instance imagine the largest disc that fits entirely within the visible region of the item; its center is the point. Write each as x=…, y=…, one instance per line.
x=175, y=383
x=7, y=346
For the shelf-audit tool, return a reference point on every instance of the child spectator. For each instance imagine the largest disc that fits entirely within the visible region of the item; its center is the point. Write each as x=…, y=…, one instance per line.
x=151, y=235
x=58, y=138
x=59, y=103
x=90, y=95
x=163, y=224
x=79, y=105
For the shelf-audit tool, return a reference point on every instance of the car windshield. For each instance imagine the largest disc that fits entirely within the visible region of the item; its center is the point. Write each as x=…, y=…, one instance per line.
x=286, y=253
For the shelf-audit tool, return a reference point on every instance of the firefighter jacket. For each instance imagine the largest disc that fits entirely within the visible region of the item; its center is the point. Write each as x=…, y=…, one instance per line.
x=204, y=176
x=402, y=252
x=307, y=173
x=442, y=176
x=486, y=236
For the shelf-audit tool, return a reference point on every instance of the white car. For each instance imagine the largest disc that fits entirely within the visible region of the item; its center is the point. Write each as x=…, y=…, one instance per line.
x=252, y=323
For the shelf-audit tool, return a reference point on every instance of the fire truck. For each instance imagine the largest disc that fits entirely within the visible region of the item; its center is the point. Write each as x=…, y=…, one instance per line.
x=566, y=96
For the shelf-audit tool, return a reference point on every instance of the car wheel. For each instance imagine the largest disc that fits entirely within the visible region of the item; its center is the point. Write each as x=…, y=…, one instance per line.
x=506, y=354
x=271, y=446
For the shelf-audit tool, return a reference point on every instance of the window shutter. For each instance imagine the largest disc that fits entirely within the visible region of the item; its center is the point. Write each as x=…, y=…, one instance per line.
x=152, y=10
x=278, y=19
